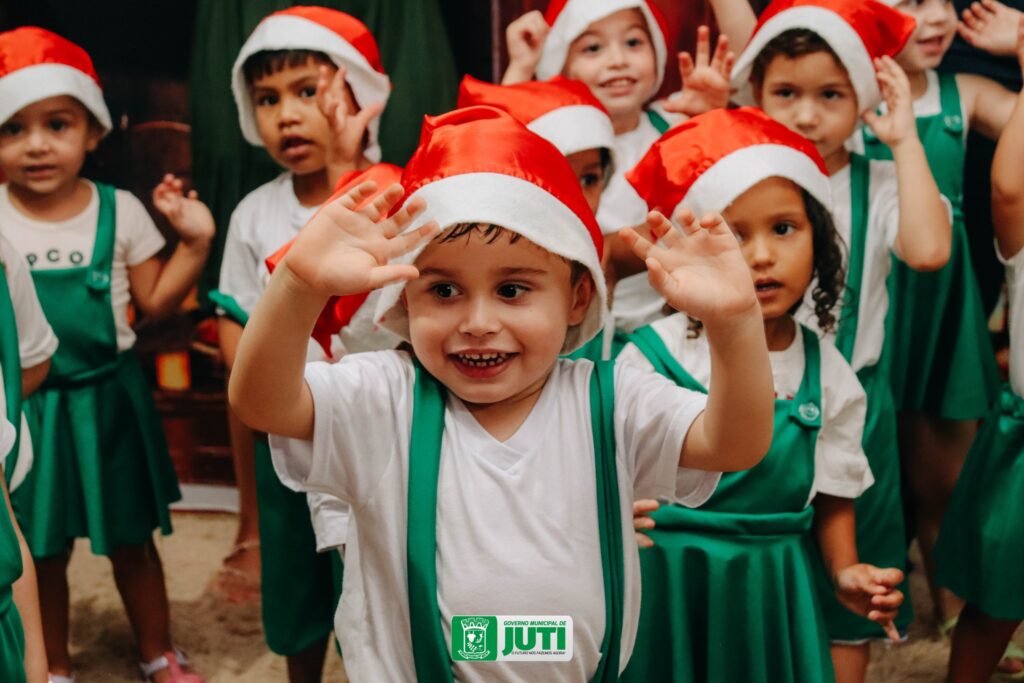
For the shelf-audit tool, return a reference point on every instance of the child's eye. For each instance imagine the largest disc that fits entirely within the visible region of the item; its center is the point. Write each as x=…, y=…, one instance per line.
x=784, y=228
x=591, y=48
x=444, y=290
x=783, y=92
x=11, y=128
x=511, y=291
x=591, y=179
x=57, y=125
x=308, y=91
x=266, y=100
x=832, y=95
x=636, y=41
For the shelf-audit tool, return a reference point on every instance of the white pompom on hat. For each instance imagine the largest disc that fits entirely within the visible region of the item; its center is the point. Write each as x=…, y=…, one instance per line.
x=36, y=64
x=569, y=20
x=707, y=162
x=480, y=165
x=562, y=111
x=342, y=37
x=858, y=31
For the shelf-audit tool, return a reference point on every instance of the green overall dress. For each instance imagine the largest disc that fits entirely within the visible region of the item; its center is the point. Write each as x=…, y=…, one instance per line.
x=295, y=580
x=728, y=589
x=980, y=552
x=880, y=536
x=101, y=469
x=431, y=653
x=942, y=361
x=12, y=637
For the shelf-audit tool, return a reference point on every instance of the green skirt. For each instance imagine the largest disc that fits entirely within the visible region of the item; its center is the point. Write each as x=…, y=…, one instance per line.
x=729, y=597
x=101, y=468
x=880, y=535
x=12, y=640
x=300, y=587
x=980, y=552
x=942, y=360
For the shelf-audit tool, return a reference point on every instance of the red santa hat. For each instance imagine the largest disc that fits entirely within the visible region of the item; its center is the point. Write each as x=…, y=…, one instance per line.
x=562, y=111
x=858, y=31
x=342, y=37
x=569, y=20
x=353, y=313
x=480, y=165
x=707, y=162
x=36, y=64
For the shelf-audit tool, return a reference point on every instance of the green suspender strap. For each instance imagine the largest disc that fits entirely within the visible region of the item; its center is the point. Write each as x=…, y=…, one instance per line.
x=10, y=360
x=859, y=184
x=430, y=652
x=231, y=309
x=654, y=349
x=658, y=121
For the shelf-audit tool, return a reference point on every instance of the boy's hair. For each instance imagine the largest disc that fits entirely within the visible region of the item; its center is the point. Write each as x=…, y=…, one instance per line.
x=492, y=233
x=829, y=273
x=796, y=42
x=268, y=62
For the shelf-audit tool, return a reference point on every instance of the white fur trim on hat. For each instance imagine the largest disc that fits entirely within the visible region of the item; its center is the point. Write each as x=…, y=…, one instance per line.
x=40, y=81
x=284, y=32
x=576, y=128
x=517, y=205
x=573, y=21
x=834, y=30
x=734, y=174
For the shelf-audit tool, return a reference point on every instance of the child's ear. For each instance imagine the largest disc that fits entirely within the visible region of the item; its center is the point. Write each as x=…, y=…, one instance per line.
x=93, y=135
x=582, y=294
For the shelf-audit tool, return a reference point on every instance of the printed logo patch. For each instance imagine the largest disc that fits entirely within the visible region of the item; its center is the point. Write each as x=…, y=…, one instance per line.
x=512, y=638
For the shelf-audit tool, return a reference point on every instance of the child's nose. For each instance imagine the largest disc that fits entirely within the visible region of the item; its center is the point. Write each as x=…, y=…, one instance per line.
x=38, y=140
x=806, y=114
x=616, y=55
x=290, y=109
x=480, y=319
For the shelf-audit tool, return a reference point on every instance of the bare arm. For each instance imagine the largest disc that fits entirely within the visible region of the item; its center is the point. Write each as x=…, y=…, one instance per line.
x=924, y=237
x=32, y=378
x=704, y=275
x=989, y=104
x=862, y=588
x=1007, y=179
x=26, y=599
x=229, y=332
x=735, y=19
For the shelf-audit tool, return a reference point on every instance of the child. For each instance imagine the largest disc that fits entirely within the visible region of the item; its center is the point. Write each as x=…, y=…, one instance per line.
x=944, y=372
x=811, y=66
x=507, y=276
x=563, y=112
x=618, y=49
x=101, y=467
x=309, y=86
x=978, y=555
x=750, y=539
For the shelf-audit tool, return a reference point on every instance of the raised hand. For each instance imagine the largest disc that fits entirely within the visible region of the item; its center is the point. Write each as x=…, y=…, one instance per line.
x=343, y=250
x=706, y=80
x=990, y=26
x=189, y=217
x=525, y=39
x=871, y=592
x=898, y=123
x=348, y=126
x=642, y=521
x=698, y=269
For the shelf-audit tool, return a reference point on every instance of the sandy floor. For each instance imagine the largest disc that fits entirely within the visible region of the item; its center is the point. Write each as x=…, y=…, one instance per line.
x=226, y=641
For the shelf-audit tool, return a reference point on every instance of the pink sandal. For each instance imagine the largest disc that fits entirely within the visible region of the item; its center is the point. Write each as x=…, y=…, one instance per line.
x=172, y=662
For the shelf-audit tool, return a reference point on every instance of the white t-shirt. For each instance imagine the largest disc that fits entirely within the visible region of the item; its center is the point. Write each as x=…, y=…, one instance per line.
x=36, y=340
x=517, y=525
x=840, y=467
x=1015, y=289
x=635, y=303
x=68, y=244
x=883, y=227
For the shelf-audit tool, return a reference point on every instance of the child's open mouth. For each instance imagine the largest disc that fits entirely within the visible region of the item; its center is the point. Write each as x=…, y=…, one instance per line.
x=40, y=170
x=294, y=146
x=482, y=364
x=622, y=84
x=931, y=45
x=766, y=288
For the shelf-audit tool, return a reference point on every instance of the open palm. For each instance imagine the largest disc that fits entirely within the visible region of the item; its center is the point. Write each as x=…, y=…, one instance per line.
x=699, y=269
x=343, y=250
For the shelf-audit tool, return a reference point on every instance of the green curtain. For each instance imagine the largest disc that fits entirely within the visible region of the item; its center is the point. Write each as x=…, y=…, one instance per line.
x=415, y=52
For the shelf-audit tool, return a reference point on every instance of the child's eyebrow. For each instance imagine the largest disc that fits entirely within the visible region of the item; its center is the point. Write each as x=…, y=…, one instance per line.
x=522, y=270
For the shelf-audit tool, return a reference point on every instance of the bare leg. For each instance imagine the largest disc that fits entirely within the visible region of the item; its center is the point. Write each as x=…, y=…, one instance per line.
x=933, y=452
x=140, y=581
x=850, y=662
x=52, y=574
x=308, y=665
x=978, y=645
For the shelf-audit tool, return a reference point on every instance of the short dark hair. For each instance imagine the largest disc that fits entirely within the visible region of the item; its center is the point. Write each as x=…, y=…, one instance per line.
x=796, y=42
x=268, y=62
x=491, y=233
x=829, y=273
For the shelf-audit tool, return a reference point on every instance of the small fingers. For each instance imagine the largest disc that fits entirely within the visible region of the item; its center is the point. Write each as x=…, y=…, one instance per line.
x=703, y=45
x=382, y=276
x=685, y=66
x=382, y=203
x=890, y=630
x=643, y=541
x=645, y=505
x=640, y=245
x=721, y=52
x=404, y=216
x=357, y=195
x=408, y=241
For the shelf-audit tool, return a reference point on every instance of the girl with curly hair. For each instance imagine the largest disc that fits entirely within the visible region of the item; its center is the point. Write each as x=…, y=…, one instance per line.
x=730, y=588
